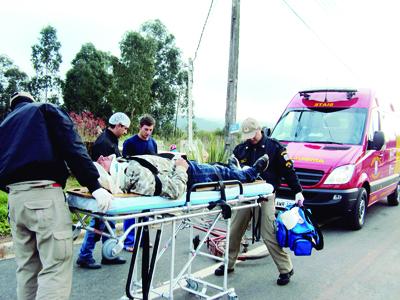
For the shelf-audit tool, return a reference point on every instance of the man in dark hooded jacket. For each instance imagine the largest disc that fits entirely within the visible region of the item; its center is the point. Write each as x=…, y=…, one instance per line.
x=38, y=141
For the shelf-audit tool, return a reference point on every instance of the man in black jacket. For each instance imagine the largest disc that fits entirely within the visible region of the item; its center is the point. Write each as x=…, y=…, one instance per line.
x=256, y=145
x=106, y=144
x=38, y=141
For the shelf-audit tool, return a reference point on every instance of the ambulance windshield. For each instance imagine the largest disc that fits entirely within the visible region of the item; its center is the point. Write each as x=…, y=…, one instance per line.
x=331, y=126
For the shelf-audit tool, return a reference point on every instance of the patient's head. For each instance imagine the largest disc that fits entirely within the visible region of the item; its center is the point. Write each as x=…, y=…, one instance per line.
x=105, y=161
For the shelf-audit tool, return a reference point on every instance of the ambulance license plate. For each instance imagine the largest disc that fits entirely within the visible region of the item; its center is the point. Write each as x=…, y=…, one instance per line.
x=283, y=203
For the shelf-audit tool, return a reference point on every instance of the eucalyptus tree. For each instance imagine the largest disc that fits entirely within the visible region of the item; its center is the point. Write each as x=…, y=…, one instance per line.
x=133, y=75
x=168, y=90
x=46, y=59
x=88, y=81
x=11, y=80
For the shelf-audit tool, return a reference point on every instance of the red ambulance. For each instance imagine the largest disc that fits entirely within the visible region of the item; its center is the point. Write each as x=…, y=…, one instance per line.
x=346, y=151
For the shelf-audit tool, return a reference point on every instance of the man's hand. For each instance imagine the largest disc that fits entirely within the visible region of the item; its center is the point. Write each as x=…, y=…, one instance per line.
x=180, y=162
x=299, y=199
x=103, y=199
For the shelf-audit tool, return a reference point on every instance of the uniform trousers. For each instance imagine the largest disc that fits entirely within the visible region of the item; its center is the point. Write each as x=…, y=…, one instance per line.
x=239, y=223
x=41, y=227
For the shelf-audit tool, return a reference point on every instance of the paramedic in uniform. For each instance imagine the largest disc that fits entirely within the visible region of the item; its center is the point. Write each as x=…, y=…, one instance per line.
x=106, y=144
x=255, y=145
x=38, y=141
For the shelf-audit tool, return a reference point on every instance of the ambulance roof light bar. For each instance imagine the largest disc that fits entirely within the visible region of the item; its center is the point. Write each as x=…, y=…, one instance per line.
x=350, y=92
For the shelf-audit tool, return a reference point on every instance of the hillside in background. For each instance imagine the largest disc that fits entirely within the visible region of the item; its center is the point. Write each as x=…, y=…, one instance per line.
x=209, y=124
x=202, y=124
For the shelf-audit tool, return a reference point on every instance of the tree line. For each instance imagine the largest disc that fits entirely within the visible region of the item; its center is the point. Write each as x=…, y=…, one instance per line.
x=148, y=77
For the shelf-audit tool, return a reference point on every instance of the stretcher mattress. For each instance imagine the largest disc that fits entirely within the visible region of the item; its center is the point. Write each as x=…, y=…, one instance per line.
x=132, y=203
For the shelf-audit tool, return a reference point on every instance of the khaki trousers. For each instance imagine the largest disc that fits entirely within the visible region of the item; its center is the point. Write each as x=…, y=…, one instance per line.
x=41, y=227
x=239, y=223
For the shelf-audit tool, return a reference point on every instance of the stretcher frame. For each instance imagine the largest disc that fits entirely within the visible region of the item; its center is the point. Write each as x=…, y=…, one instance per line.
x=180, y=218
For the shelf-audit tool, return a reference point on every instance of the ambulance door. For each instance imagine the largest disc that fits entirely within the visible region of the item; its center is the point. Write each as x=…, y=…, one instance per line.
x=389, y=126
x=376, y=164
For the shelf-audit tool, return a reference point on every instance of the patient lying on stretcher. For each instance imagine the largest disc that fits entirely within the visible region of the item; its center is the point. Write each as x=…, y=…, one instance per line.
x=153, y=175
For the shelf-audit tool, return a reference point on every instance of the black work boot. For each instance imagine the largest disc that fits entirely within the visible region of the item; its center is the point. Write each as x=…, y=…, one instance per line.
x=220, y=271
x=284, y=278
x=261, y=164
x=233, y=162
x=88, y=264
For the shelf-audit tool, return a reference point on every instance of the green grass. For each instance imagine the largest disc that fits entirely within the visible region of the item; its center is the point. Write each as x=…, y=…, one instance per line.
x=4, y=226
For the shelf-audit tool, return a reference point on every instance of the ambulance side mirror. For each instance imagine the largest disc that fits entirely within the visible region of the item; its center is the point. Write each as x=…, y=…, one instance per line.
x=378, y=141
x=266, y=131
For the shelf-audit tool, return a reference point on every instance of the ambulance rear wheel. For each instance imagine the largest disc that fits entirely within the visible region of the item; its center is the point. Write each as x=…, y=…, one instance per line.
x=356, y=218
x=394, y=198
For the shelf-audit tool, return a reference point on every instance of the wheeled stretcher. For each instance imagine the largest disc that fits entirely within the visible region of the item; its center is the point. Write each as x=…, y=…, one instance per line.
x=216, y=200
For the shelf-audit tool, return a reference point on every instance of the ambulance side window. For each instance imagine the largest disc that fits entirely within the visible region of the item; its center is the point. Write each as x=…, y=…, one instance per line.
x=374, y=124
x=389, y=125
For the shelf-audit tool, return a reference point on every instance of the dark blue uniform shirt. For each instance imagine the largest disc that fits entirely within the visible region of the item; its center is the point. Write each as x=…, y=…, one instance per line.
x=38, y=141
x=280, y=166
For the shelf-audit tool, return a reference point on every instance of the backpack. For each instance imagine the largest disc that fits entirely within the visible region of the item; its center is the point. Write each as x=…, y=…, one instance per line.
x=304, y=236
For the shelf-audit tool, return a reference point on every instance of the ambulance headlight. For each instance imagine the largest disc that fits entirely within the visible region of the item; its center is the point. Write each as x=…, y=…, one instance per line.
x=340, y=175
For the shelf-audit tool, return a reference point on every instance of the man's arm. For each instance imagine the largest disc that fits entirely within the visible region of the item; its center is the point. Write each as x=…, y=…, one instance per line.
x=175, y=183
x=290, y=175
x=155, y=146
x=126, y=148
x=68, y=144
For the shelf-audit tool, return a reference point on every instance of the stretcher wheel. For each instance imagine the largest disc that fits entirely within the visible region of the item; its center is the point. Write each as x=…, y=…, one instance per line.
x=108, y=246
x=232, y=296
x=191, y=284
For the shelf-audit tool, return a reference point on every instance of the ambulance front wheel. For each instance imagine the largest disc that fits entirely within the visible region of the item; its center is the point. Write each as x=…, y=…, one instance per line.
x=356, y=218
x=394, y=198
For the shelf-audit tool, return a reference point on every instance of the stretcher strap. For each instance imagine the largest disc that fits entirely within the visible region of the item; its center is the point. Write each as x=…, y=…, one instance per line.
x=256, y=225
x=154, y=256
x=147, y=265
x=146, y=164
x=225, y=208
x=133, y=260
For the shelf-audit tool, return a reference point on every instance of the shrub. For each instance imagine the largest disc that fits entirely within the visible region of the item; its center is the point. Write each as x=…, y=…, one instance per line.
x=87, y=125
x=216, y=150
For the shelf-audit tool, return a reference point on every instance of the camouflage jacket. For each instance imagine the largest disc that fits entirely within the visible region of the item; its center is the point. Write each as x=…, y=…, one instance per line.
x=140, y=180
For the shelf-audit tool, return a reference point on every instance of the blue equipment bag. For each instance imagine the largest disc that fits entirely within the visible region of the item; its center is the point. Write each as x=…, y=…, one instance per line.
x=302, y=237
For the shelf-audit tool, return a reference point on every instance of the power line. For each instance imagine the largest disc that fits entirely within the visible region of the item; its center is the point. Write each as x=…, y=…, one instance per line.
x=204, y=27
x=320, y=39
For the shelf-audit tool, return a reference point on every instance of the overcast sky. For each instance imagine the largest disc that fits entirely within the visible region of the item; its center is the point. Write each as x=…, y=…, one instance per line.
x=285, y=46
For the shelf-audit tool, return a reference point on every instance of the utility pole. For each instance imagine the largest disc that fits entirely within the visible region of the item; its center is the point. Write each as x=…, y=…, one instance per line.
x=190, y=103
x=231, y=100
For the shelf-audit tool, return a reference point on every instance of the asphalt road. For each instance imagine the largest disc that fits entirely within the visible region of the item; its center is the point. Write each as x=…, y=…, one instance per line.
x=353, y=265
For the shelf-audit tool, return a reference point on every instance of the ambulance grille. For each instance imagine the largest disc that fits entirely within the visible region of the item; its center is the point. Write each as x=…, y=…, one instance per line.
x=308, y=177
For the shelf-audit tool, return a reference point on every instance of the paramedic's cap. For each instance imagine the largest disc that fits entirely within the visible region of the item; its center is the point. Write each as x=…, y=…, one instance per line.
x=20, y=97
x=119, y=118
x=249, y=128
